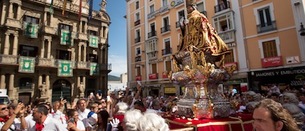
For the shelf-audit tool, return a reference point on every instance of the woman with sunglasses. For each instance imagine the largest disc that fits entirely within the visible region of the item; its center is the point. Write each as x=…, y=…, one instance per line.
x=7, y=123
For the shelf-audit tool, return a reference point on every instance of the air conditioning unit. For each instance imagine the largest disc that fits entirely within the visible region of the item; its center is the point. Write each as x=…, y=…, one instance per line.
x=292, y=59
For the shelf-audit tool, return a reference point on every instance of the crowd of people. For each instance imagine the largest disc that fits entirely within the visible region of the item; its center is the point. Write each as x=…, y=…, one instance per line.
x=125, y=112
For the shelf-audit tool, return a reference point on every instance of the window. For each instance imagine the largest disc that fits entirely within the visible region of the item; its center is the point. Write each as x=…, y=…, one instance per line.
x=167, y=47
x=224, y=22
x=153, y=68
x=164, y=3
x=152, y=8
x=63, y=55
x=138, y=36
x=137, y=5
x=181, y=14
x=30, y=51
x=138, y=51
x=229, y=57
x=138, y=71
x=25, y=83
x=91, y=32
x=265, y=18
x=168, y=66
x=66, y=27
x=137, y=16
x=200, y=7
x=269, y=48
x=30, y=19
x=92, y=58
x=166, y=26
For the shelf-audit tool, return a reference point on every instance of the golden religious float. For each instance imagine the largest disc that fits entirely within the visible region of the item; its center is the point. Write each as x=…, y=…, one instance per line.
x=199, y=67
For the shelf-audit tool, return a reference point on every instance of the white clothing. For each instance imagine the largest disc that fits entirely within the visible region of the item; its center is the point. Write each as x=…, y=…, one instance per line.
x=83, y=115
x=50, y=124
x=80, y=125
x=58, y=115
x=29, y=120
x=12, y=127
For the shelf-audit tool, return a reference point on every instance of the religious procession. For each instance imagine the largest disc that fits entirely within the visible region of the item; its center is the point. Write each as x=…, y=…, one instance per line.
x=54, y=64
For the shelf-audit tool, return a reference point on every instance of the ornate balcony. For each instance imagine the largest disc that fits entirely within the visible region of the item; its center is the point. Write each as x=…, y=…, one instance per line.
x=261, y=28
x=137, y=39
x=83, y=65
x=227, y=36
x=164, y=9
x=222, y=6
x=166, y=51
x=11, y=22
x=152, y=14
x=151, y=34
x=166, y=28
x=49, y=30
x=46, y=62
x=8, y=59
x=137, y=58
x=82, y=36
x=137, y=22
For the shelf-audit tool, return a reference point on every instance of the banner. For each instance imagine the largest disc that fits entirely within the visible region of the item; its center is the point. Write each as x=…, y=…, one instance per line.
x=30, y=29
x=90, y=9
x=94, y=69
x=51, y=7
x=26, y=64
x=65, y=38
x=65, y=68
x=93, y=41
x=80, y=9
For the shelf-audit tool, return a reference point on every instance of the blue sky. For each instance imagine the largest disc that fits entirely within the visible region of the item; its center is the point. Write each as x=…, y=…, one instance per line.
x=116, y=9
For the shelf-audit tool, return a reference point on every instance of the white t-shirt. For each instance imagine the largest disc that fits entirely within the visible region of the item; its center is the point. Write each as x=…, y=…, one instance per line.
x=50, y=124
x=12, y=127
x=83, y=115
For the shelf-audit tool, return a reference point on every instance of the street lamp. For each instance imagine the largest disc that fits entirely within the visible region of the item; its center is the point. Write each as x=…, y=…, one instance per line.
x=302, y=30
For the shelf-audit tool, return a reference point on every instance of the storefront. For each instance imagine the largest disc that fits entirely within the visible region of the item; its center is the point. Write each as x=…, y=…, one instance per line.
x=293, y=77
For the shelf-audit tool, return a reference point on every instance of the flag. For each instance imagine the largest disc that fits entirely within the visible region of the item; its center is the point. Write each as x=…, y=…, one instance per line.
x=90, y=9
x=80, y=10
x=64, y=7
x=51, y=7
x=65, y=38
x=93, y=41
x=30, y=29
x=94, y=69
x=26, y=64
x=65, y=68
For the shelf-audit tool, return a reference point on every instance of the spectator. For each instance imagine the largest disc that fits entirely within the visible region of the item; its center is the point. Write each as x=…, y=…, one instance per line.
x=45, y=122
x=74, y=124
x=269, y=115
x=152, y=122
x=9, y=123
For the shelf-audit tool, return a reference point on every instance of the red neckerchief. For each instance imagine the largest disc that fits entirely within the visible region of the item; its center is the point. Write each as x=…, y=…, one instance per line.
x=5, y=119
x=38, y=126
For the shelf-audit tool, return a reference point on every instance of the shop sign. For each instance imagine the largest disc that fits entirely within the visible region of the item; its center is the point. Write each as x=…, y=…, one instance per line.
x=231, y=64
x=165, y=74
x=138, y=78
x=169, y=90
x=272, y=61
x=153, y=76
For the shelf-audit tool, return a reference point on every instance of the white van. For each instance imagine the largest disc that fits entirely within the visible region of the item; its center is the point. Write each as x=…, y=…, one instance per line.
x=3, y=97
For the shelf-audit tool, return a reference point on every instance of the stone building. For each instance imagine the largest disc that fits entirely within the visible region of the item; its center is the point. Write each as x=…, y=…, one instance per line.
x=53, y=48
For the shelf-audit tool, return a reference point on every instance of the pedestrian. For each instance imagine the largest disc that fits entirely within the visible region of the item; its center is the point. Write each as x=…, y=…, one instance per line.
x=269, y=115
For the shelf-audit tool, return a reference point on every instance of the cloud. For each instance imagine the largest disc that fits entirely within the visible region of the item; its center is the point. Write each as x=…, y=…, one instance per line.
x=118, y=64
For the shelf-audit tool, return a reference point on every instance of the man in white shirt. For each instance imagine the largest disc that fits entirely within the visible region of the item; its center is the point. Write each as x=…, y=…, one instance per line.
x=57, y=114
x=45, y=122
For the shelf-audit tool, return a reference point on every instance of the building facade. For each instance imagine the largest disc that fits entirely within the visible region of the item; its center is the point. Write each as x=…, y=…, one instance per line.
x=53, y=48
x=257, y=33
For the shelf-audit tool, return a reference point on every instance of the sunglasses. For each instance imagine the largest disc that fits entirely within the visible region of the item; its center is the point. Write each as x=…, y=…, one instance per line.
x=4, y=108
